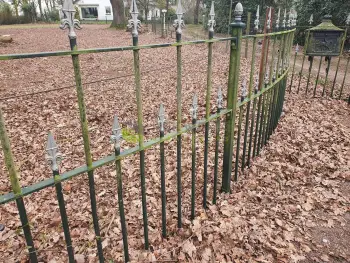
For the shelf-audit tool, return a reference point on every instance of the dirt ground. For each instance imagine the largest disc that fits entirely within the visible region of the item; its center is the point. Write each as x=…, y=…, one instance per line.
x=292, y=205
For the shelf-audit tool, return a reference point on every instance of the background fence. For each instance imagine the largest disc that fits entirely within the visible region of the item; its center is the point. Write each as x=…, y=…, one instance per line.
x=254, y=103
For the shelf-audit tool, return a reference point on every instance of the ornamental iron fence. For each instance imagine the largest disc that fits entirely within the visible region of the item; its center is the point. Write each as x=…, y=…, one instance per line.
x=252, y=112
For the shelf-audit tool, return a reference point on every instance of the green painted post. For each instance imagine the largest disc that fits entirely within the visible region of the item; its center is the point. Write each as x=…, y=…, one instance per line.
x=179, y=24
x=54, y=158
x=16, y=188
x=311, y=60
x=69, y=10
x=232, y=90
x=247, y=29
x=193, y=177
x=217, y=140
x=211, y=24
x=134, y=23
x=115, y=139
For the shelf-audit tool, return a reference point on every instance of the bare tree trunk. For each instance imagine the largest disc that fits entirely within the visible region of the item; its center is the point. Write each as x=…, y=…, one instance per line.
x=40, y=9
x=15, y=4
x=196, y=12
x=118, y=13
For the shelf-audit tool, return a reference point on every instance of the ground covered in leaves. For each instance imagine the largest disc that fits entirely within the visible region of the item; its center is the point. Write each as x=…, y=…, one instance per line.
x=291, y=205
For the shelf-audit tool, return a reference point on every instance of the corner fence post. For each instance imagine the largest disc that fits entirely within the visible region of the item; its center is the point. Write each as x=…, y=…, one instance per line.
x=232, y=90
x=16, y=188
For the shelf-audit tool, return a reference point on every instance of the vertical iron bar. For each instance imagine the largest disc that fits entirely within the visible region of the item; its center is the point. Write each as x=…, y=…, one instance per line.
x=193, y=190
x=251, y=131
x=86, y=140
x=341, y=52
x=162, y=178
x=141, y=139
x=342, y=85
x=64, y=216
x=248, y=104
x=238, y=140
x=257, y=126
x=179, y=109
x=216, y=158
x=232, y=89
x=311, y=59
x=207, y=114
x=16, y=188
x=121, y=204
x=328, y=59
x=318, y=74
x=261, y=121
x=291, y=79
x=302, y=64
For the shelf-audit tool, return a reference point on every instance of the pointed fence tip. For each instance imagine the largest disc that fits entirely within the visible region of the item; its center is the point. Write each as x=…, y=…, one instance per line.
x=51, y=143
x=133, y=7
x=212, y=12
x=179, y=10
x=238, y=9
x=68, y=6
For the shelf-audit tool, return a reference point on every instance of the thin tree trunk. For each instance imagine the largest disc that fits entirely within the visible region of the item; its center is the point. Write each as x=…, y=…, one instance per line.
x=15, y=4
x=40, y=9
x=118, y=13
x=196, y=12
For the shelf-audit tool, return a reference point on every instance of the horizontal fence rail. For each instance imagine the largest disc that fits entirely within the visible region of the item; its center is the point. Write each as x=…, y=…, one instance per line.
x=254, y=106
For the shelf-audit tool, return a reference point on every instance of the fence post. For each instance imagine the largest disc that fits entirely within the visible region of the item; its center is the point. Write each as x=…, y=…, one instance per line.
x=232, y=90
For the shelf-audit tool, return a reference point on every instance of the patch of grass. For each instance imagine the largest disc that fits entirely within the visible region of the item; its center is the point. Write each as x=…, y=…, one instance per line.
x=130, y=135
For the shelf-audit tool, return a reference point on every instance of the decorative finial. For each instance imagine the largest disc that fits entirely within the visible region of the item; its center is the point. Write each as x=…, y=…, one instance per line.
x=347, y=22
x=69, y=21
x=116, y=133
x=179, y=23
x=311, y=20
x=244, y=92
x=297, y=48
x=268, y=23
x=289, y=23
x=161, y=117
x=295, y=18
x=284, y=19
x=54, y=157
x=278, y=19
x=219, y=99
x=256, y=21
x=238, y=12
x=194, y=106
x=211, y=22
x=134, y=23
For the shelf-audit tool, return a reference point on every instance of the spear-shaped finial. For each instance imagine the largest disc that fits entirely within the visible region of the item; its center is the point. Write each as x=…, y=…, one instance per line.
x=161, y=117
x=134, y=24
x=295, y=18
x=347, y=22
x=238, y=12
x=219, y=99
x=179, y=23
x=116, y=133
x=194, y=107
x=297, y=48
x=211, y=22
x=54, y=157
x=268, y=24
x=311, y=20
x=284, y=19
x=68, y=21
x=278, y=19
x=256, y=21
x=274, y=71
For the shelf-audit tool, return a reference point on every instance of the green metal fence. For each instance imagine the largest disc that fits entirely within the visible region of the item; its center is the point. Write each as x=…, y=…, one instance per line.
x=251, y=115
